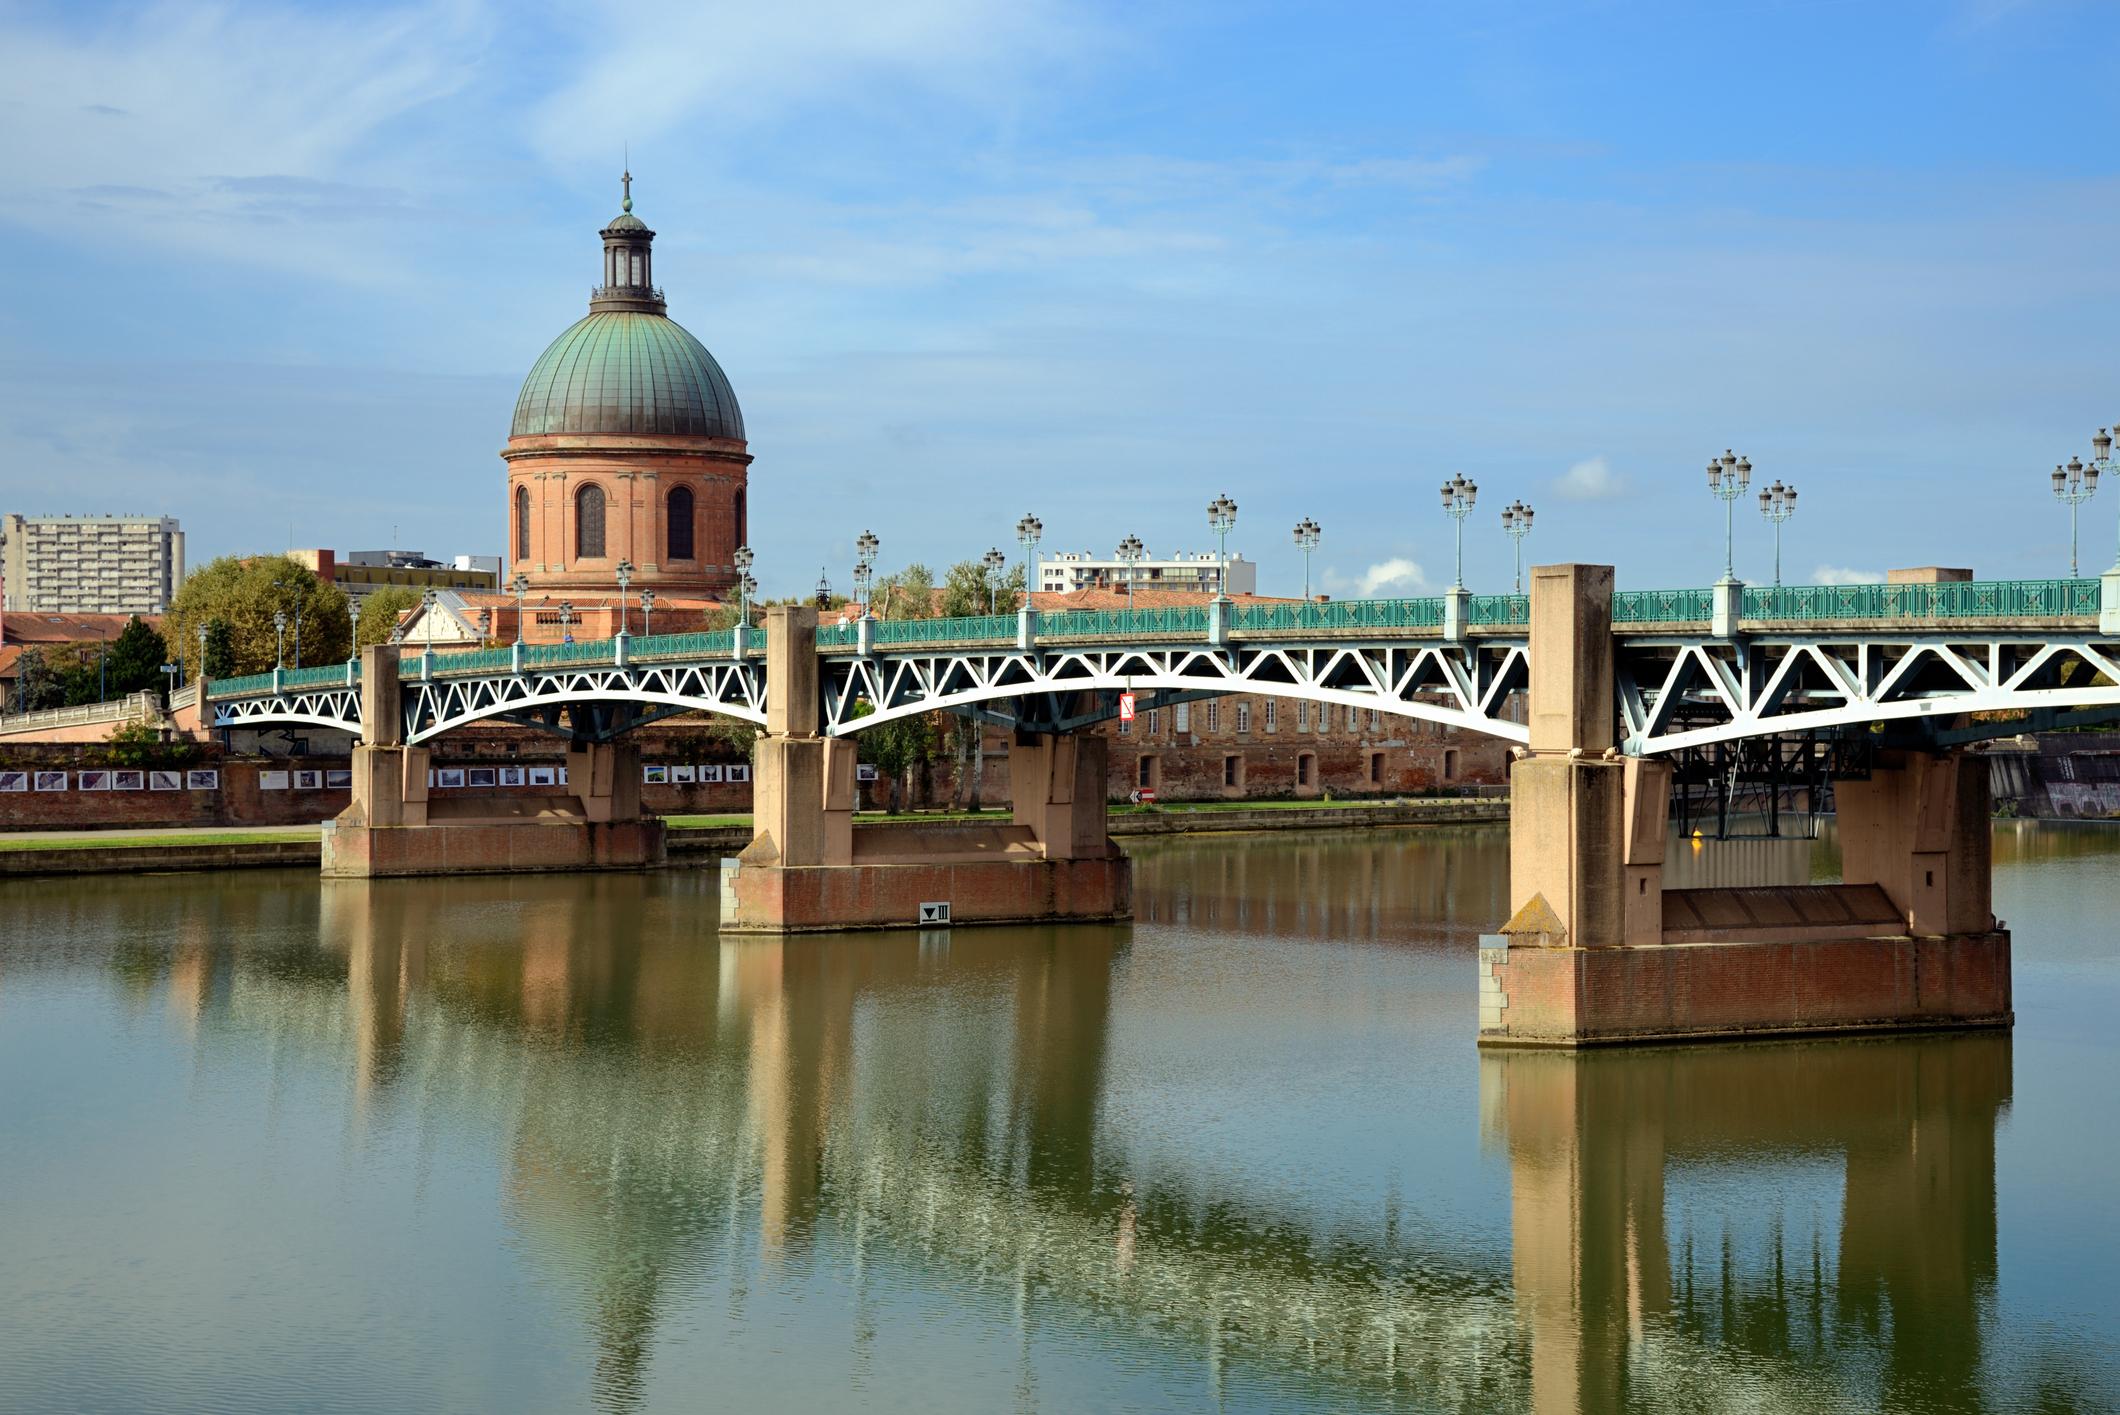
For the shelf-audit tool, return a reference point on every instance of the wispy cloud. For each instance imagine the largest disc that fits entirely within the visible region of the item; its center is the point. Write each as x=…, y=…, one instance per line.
x=1842, y=575
x=1397, y=575
x=1590, y=480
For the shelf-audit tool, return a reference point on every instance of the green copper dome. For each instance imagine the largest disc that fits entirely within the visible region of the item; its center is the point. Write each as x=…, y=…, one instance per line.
x=627, y=371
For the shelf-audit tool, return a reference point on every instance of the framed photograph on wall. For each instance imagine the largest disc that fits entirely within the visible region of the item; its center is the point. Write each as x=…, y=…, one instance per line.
x=165, y=781
x=684, y=775
x=542, y=776
x=128, y=781
x=208, y=779
x=562, y=776
x=338, y=780
x=93, y=781
x=513, y=776
x=737, y=773
x=655, y=775
x=485, y=776
x=273, y=780
x=449, y=776
x=14, y=781
x=308, y=780
x=710, y=773
x=50, y=780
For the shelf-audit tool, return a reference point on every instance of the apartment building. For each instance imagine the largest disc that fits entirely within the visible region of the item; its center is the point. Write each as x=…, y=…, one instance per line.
x=90, y=564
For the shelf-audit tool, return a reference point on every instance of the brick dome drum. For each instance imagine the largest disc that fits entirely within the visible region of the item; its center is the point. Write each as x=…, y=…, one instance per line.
x=627, y=372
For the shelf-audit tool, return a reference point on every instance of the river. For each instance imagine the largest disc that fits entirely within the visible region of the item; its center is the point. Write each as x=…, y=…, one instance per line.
x=546, y=1144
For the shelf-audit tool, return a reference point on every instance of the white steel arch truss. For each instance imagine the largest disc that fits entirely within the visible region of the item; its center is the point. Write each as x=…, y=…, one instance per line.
x=1677, y=693
x=336, y=707
x=731, y=688
x=1458, y=685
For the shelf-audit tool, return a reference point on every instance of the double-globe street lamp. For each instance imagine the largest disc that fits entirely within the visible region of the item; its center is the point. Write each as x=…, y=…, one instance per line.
x=1308, y=534
x=279, y=636
x=1131, y=553
x=2076, y=484
x=865, y=548
x=1516, y=524
x=1221, y=519
x=1777, y=503
x=743, y=560
x=1728, y=476
x=521, y=586
x=297, y=598
x=624, y=571
x=353, y=634
x=1028, y=530
x=1460, y=494
x=647, y=613
x=2102, y=461
x=991, y=565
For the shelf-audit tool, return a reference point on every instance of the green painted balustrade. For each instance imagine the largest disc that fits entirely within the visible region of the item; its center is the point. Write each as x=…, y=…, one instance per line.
x=1339, y=614
x=1662, y=606
x=718, y=641
x=1188, y=622
x=566, y=655
x=966, y=628
x=1962, y=599
x=241, y=687
x=1498, y=611
x=331, y=675
x=461, y=662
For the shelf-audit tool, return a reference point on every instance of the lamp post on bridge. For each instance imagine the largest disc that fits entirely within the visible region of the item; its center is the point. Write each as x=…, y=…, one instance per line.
x=1308, y=534
x=1728, y=476
x=2076, y=484
x=1777, y=503
x=203, y=630
x=1516, y=524
x=624, y=571
x=353, y=635
x=485, y=626
x=991, y=565
x=297, y=597
x=1221, y=519
x=744, y=584
x=279, y=635
x=865, y=547
x=1028, y=530
x=566, y=621
x=2102, y=461
x=1460, y=494
x=429, y=602
x=647, y=613
x=1131, y=552
x=521, y=586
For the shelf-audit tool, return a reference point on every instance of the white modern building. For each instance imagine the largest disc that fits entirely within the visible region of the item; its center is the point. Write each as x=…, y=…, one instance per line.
x=1202, y=572
x=90, y=564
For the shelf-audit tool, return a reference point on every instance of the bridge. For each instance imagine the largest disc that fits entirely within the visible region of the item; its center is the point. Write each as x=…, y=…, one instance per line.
x=1595, y=687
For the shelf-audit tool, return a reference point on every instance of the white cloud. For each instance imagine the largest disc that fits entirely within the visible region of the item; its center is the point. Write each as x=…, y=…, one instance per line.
x=1590, y=480
x=1398, y=575
x=1841, y=575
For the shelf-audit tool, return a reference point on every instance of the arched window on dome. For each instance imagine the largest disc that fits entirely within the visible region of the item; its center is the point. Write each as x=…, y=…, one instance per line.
x=743, y=534
x=589, y=523
x=681, y=523
x=522, y=523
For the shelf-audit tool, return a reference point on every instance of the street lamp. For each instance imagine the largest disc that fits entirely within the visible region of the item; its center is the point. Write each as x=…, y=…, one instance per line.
x=202, y=649
x=1516, y=524
x=2077, y=484
x=521, y=585
x=485, y=626
x=428, y=601
x=1131, y=552
x=2102, y=461
x=1459, y=495
x=744, y=583
x=624, y=571
x=566, y=621
x=279, y=634
x=284, y=585
x=353, y=636
x=1221, y=517
x=1308, y=534
x=1027, y=532
x=1728, y=476
x=647, y=613
x=1778, y=503
x=991, y=564
x=865, y=546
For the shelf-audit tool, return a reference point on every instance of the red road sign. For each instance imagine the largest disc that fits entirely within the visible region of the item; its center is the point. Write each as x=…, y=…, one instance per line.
x=1126, y=707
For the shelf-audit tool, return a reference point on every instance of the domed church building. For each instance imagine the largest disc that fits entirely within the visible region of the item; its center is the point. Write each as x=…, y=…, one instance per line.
x=627, y=445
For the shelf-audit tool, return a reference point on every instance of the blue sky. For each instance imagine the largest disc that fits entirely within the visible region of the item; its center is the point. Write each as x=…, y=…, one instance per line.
x=278, y=269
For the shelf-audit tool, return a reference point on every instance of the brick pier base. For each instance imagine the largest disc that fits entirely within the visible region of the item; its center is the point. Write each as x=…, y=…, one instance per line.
x=826, y=898
x=356, y=851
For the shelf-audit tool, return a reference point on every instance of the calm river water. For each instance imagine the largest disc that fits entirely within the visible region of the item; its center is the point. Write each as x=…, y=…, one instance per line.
x=548, y=1145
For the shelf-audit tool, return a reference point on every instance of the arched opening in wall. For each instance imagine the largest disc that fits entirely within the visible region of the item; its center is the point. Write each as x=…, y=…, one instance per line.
x=1148, y=772
x=681, y=523
x=1306, y=770
x=743, y=534
x=1376, y=768
x=522, y=523
x=589, y=523
x=1450, y=763
x=1233, y=774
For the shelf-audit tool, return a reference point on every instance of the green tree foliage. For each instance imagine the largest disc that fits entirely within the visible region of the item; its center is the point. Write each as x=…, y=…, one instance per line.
x=908, y=594
x=220, y=649
x=896, y=749
x=37, y=687
x=243, y=594
x=134, y=659
x=965, y=590
x=380, y=611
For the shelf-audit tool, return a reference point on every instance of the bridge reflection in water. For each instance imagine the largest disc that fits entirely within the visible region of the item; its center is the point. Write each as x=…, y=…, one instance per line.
x=1777, y=1227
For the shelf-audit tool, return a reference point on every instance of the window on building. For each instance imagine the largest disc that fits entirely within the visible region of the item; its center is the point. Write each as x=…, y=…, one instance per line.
x=589, y=523
x=1372, y=719
x=637, y=278
x=1214, y=717
x=1145, y=772
x=1354, y=718
x=1376, y=768
x=743, y=536
x=1268, y=707
x=1450, y=764
x=1306, y=768
x=1153, y=716
x=680, y=510
x=1243, y=717
x=1303, y=716
x=1126, y=727
x=522, y=523
x=1182, y=717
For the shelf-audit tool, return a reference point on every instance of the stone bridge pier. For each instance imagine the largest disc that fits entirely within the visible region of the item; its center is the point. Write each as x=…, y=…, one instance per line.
x=395, y=826
x=1598, y=951
x=808, y=870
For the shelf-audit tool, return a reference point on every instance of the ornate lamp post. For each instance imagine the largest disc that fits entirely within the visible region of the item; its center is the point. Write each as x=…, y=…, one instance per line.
x=1028, y=530
x=1777, y=503
x=202, y=652
x=1728, y=476
x=1459, y=495
x=297, y=597
x=991, y=564
x=744, y=583
x=624, y=571
x=428, y=603
x=353, y=637
x=279, y=634
x=1131, y=552
x=1516, y=524
x=485, y=626
x=647, y=613
x=2076, y=484
x=566, y=621
x=865, y=547
x=521, y=585
x=2102, y=461
x=1221, y=519
x=1308, y=534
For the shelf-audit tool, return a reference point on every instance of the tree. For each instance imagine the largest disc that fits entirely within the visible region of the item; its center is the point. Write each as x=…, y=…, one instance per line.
x=895, y=748
x=134, y=659
x=36, y=686
x=244, y=594
x=965, y=592
x=909, y=594
x=220, y=650
x=380, y=611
